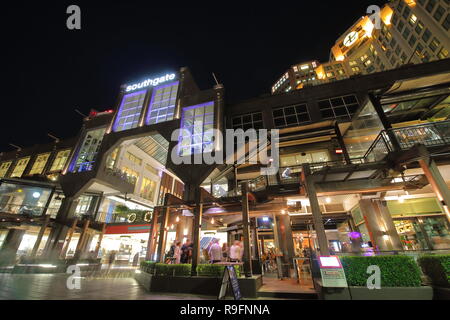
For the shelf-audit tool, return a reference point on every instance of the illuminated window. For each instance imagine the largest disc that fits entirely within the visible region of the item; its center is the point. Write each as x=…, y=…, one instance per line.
x=197, y=125
x=148, y=189
x=435, y=43
x=131, y=174
x=130, y=111
x=20, y=167
x=88, y=151
x=149, y=168
x=84, y=203
x=60, y=160
x=413, y=19
x=296, y=159
x=443, y=54
x=4, y=168
x=39, y=163
x=291, y=116
x=162, y=105
x=133, y=158
x=419, y=27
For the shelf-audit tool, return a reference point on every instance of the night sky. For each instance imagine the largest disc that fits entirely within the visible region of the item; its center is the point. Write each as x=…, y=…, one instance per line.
x=48, y=70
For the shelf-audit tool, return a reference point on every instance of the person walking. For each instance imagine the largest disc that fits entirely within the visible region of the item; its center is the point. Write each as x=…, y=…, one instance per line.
x=177, y=253
x=215, y=252
x=185, y=251
x=241, y=252
x=225, y=252
x=235, y=252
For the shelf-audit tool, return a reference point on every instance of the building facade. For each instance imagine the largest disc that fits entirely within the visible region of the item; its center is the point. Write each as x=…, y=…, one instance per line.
x=403, y=32
x=362, y=169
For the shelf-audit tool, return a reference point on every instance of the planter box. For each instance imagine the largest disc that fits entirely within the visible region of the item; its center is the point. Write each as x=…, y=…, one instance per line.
x=195, y=285
x=441, y=293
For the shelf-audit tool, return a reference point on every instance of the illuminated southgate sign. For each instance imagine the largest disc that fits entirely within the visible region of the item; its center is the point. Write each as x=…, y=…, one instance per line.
x=151, y=82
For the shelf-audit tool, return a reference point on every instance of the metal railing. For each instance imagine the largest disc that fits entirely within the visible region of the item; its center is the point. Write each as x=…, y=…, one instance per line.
x=28, y=210
x=114, y=172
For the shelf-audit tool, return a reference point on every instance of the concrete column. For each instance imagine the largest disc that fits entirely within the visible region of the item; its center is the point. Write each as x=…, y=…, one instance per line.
x=196, y=232
x=436, y=181
x=152, y=235
x=278, y=245
x=391, y=231
x=40, y=235
x=10, y=246
x=246, y=231
x=82, y=240
x=100, y=239
x=316, y=213
x=56, y=241
x=69, y=238
x=287, y=240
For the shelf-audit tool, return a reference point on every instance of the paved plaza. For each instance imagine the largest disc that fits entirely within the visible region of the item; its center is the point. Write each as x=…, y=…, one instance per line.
x=93, y=287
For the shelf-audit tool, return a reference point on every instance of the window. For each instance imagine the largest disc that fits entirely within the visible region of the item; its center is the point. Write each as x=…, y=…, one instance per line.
x=435, y=43
x=338, y=107
x=406, y=12
x=197, y=126
x=84, y=203
x=419, y=28
x=426, y=35
x=400, y=26
x=297, y=159
x=39, y=163
x=248, y=121
x=406, y=33
x=291, y=116
x=412, y=41
x=133, y=158
x=440, y=11
x=4, y=168
x=413, y=20
x=162, y=105
x=147, y=189
x=60, y=160
x=430, y=5
x=131, y=174
x=443, y=53
x=130, y=111
x=88, y=152
x=20, y=167
x=446, y=23
x=149, y=168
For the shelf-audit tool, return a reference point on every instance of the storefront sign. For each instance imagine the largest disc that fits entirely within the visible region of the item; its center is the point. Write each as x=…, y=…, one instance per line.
x=151, y=82
x=230, y=277
x=125, y=229
x=333, y=275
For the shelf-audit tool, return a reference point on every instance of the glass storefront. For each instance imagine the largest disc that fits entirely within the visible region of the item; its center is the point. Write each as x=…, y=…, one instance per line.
x=23, y=199
x=88, y=151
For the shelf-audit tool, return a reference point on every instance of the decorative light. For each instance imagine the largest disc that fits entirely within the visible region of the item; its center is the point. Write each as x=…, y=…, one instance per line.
x=36, y=195
x=328, y=200
x=212, y=220
x=171, y=227
x=283, y=211
x=177, y=219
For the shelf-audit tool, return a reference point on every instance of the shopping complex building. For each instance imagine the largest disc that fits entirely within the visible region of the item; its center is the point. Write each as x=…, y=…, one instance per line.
x=364, y=168
x=404, y=32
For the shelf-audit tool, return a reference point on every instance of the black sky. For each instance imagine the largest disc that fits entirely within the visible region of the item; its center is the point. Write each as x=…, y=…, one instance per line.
x=48, y=70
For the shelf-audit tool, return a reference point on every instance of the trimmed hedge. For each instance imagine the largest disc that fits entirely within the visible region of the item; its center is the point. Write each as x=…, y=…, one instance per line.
x=214, y=270
x=184, y=270
x=396, y=271
x=437, y=267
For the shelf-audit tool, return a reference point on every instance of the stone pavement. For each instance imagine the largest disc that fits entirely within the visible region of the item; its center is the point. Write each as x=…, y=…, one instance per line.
x=53, y=287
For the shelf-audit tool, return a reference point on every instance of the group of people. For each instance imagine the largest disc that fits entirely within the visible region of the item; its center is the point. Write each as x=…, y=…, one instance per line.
x=180, y=253
x=224, y=253
x=215, y=253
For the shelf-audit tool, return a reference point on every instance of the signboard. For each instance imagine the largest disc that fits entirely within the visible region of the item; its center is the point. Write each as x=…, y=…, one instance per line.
x=230, y=277
x=332, y=272
x=150, y=82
